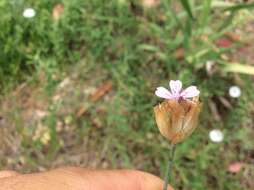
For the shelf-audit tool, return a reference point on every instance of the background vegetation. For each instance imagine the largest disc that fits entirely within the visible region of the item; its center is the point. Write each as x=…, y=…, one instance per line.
x=78, y=79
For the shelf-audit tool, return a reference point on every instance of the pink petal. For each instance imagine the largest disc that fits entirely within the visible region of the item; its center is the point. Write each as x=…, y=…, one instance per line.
x=235, y=167
x=190, y=92
x=224, y=43
x=163, y=93
x=175, y=86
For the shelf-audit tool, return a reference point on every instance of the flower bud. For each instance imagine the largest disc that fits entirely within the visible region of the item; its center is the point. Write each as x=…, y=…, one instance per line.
x=177, y=119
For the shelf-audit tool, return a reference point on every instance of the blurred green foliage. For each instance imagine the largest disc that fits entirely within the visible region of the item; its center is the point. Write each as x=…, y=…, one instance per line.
x=135, y=47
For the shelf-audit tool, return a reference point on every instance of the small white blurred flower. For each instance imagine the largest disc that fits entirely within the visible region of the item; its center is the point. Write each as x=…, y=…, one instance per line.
x=210, y=67
x=29, y=13
x=209, y=64
x=234, y=91
x=216, y=135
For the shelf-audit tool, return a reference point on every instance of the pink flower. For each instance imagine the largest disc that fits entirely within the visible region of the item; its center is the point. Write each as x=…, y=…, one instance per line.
x=235, y=167
x=177, y=92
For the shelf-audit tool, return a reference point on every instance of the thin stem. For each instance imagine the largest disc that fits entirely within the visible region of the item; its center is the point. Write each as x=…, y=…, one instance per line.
x=169, y=167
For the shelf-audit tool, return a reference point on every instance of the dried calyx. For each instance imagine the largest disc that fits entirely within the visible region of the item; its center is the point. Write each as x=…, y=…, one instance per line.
x=177, y=116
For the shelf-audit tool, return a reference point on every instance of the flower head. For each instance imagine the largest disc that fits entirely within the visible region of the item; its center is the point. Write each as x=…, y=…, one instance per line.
x=177, y=116
x=235, y=91
x=29, y=13
x=216, y=135
x=177, y=92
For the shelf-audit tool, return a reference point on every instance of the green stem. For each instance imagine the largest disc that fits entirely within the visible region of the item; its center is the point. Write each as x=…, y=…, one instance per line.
x=169, y=167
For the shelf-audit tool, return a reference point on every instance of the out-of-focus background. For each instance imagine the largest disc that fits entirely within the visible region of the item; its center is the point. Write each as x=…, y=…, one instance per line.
x=77, y=82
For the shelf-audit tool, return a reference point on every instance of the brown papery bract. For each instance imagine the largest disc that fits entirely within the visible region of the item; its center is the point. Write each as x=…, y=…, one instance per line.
x=177, y=119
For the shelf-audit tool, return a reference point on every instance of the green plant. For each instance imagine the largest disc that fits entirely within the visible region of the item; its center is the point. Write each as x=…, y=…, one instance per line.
x=137, y=49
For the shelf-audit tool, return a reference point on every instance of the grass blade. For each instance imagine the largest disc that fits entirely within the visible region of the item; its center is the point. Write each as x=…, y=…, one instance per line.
x=205, y=12
x=238, y=68
x=227, y=22
x=240, y=6
x=187, y=33
x=187, y=7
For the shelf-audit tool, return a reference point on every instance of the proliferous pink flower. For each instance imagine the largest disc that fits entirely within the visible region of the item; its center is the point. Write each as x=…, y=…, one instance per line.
x=177, y=116
x=177, y=92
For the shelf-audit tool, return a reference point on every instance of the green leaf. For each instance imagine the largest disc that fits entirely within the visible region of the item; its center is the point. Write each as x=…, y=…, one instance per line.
x=240, y=6
x=227, y=21
x=221, y=4
x=205, y=12
x=187, y=33
x=187, y=7
x=238, y=68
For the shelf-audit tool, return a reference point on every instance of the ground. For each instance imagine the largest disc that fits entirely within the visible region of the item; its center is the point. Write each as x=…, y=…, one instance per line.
x=83, y=93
